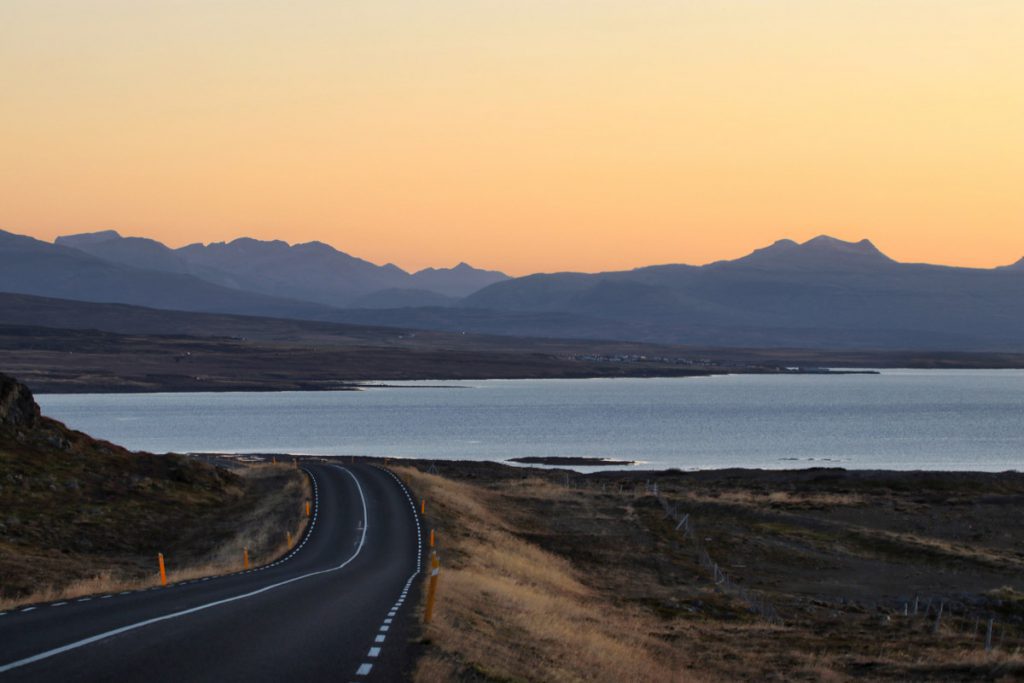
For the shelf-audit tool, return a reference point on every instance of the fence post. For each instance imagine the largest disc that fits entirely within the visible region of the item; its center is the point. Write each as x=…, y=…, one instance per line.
x=163, y=571
x=435, y=569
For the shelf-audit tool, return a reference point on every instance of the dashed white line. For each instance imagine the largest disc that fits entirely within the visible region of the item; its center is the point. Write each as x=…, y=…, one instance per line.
x=379, y=639
x=364, y=669
x=59, y=604
x=374, y=652
x=28, y=609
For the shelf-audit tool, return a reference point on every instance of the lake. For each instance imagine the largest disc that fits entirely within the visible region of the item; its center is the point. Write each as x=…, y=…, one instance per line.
x=899, y=419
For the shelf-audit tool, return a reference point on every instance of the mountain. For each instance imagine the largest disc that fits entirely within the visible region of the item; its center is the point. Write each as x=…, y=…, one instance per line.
x=821, y=253
x=821, y=294
x=30, y=266
x=460, y=281
x=1019, y=265
x=137, y=252
x=312, y=271
x=824, y=292
x=403, y=298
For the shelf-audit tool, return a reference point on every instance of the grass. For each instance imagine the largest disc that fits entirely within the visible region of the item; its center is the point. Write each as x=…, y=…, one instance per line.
x=591, y=582
x=510, y=611
x=264, y=503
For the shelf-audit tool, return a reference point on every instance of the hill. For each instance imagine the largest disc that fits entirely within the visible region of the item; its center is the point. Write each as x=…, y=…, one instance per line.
x=82, y=515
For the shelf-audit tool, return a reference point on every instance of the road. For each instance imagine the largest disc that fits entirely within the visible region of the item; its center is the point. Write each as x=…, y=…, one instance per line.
x=338, y=608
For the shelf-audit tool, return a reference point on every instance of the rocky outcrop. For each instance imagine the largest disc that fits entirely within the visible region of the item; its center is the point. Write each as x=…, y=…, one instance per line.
x=17, y=407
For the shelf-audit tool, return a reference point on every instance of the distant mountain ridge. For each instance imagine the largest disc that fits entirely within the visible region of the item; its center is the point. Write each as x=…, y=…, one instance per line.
x=311, y=271
x=822, y=293
x=31, y=266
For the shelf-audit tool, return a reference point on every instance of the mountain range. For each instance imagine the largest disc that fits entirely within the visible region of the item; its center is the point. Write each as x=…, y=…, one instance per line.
x=312, y=271
x=823, y=293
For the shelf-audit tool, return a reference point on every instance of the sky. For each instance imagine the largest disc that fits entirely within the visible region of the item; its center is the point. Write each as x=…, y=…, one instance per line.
x=523, y=135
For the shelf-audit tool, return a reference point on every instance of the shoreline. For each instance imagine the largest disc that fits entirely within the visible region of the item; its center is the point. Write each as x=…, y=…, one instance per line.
x=47, y=387
x=597, y=470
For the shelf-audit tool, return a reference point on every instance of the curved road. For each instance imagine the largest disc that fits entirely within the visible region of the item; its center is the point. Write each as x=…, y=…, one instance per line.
x=337, y=608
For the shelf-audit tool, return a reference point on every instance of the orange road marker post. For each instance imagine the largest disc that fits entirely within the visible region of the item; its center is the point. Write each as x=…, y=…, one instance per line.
x=431, y=538
x=307, y=509
x=423, y=506
x=288, y=535
x=435, y=569
x=163, y=570
x=245, y=558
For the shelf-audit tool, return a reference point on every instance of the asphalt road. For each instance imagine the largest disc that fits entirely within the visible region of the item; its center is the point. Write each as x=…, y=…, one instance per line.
x=338, y=608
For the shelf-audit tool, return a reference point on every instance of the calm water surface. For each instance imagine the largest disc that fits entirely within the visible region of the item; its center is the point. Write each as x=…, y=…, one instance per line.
x=901, y=419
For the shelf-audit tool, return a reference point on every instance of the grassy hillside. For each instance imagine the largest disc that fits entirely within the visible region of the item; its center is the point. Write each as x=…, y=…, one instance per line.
x=81, y=515
x=800, y=575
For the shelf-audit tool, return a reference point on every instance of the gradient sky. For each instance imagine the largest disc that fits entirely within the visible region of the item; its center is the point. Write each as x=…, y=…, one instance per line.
x=525, y=135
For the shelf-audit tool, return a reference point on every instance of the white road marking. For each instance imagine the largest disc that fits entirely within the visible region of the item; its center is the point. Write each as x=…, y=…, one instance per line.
x=364, y=669
x=28, y=609
x=59, y=604
x=379, y=639
x=174, y=615
x=374, y=652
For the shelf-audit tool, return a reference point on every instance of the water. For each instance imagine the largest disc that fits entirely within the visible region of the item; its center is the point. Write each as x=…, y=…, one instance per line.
x=905, y=419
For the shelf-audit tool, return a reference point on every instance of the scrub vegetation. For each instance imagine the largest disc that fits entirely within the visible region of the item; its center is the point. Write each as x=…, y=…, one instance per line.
x=81, y=516
x=555, y=576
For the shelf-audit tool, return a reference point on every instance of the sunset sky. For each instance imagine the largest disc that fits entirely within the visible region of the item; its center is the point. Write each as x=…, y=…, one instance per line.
x=524, y=135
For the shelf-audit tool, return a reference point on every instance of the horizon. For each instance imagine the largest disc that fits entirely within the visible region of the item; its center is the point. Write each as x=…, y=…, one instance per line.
x=457, y=261
x=533, y=137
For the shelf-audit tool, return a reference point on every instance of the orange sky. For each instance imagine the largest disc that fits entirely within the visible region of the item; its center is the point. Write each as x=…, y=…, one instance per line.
x=533, y=135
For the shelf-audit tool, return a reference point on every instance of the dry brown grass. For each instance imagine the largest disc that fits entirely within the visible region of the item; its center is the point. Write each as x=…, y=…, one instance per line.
x=261, y=532
x=508, y=610
x=541, y=582
x=780, y=499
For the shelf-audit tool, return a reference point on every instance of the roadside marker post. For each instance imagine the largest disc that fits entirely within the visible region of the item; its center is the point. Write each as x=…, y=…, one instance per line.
x=307, y=508
x=163, y=570
x=435, y=569
x=423, y=506
x=288, y=534
x=431, y=538
x=245, y=558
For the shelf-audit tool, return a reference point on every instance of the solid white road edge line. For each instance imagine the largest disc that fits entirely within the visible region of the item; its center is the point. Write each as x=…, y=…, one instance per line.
x=174, y=615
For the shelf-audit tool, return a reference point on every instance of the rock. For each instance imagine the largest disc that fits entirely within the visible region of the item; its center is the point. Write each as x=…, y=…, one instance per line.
x=17, y=407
